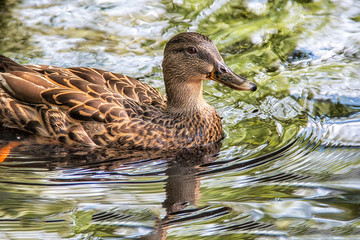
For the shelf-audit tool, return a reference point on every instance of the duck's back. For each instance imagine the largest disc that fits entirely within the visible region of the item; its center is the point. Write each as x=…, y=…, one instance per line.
x=74, y=105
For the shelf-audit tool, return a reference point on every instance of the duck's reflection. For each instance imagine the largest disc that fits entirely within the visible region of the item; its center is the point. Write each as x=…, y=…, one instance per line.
x=183, y=183
x=183, y=188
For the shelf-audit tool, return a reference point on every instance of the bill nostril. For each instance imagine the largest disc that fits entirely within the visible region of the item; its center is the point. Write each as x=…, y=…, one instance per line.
x=223, y=70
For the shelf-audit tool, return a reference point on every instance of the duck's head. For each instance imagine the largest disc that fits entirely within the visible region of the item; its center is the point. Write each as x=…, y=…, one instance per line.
x=190, y=58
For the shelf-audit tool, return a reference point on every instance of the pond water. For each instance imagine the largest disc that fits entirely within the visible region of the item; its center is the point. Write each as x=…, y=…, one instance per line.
x=289, y=167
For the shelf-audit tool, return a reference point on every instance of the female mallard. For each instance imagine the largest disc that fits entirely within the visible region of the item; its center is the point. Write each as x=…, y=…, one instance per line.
x=88, y=106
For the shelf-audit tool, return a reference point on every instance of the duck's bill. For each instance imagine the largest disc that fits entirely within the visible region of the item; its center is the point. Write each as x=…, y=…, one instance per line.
x=224, y=75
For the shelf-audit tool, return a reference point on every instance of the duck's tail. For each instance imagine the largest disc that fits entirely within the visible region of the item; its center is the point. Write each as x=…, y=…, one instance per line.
x=8, y=65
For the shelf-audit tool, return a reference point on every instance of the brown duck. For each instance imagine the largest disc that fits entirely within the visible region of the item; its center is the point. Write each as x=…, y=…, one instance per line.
x=88, y=106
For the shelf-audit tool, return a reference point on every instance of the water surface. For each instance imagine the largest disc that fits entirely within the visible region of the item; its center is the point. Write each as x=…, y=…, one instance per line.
x=288, y=168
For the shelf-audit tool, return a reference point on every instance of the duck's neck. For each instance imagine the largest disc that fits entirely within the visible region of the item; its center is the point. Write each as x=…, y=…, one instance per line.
x=185, y=97
x=195, y=120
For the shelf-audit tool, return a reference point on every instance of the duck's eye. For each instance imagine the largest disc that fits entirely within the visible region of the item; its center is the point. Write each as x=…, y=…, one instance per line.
x=192, y=50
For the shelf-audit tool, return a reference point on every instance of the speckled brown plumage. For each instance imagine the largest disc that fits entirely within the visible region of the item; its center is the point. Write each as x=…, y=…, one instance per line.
x=88, y=106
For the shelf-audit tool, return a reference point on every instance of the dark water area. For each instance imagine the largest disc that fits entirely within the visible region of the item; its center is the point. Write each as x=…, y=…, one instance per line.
x=288, y=168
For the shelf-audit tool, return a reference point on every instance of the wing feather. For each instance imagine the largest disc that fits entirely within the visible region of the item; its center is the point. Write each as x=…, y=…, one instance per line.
x=15, y=85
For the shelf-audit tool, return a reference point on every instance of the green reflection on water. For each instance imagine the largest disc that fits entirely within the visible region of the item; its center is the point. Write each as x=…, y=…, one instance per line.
x=15, y=36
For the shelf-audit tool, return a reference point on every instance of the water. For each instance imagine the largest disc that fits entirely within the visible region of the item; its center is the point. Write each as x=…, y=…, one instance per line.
x=288, y=168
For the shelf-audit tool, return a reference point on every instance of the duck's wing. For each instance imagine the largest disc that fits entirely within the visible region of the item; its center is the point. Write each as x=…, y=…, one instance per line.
x=87, y=105
x=124, y=85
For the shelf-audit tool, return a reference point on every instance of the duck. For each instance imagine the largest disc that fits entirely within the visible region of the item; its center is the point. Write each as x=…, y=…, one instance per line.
x=83, y=106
